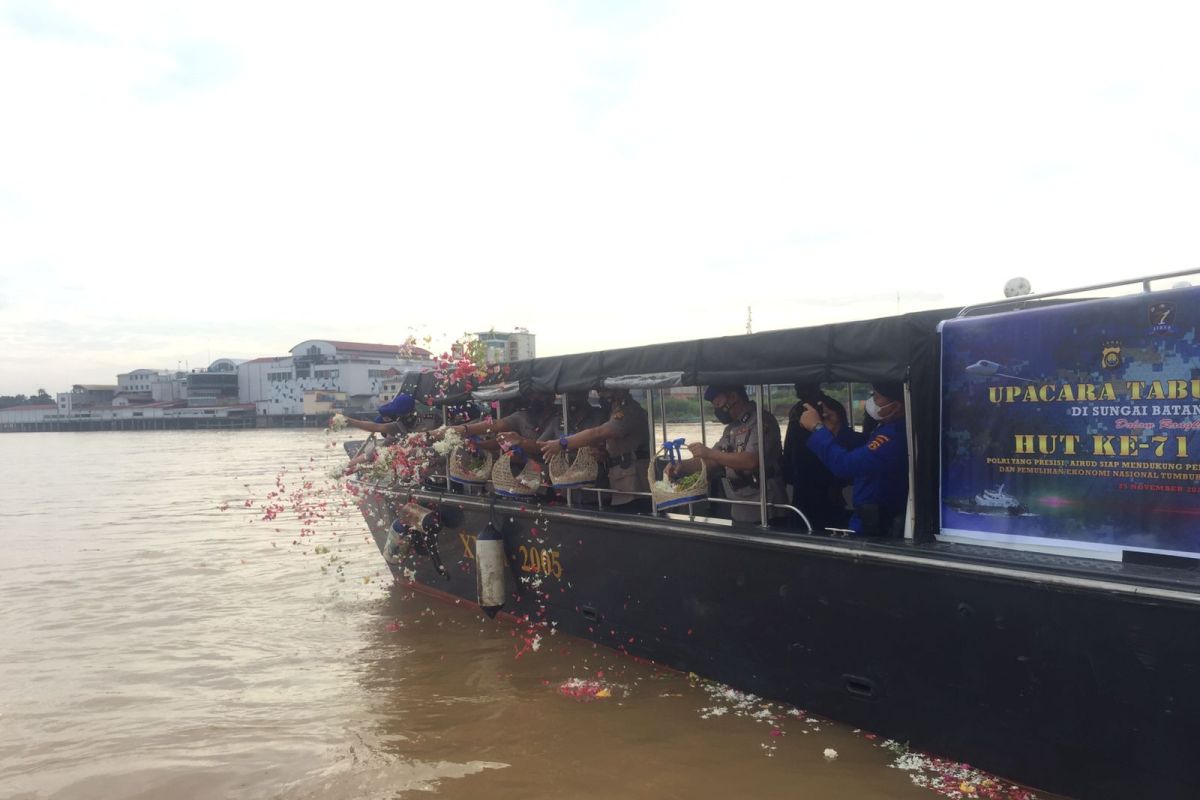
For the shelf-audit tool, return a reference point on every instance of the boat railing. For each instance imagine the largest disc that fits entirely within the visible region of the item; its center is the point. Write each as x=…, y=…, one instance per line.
x=599, y=491
x=691, y=506
x=1013, y=301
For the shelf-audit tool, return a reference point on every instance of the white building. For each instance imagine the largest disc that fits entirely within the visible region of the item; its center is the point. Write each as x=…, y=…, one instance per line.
x=277, y=385
x=150, y=385
x=137, y=382
x=503, y=347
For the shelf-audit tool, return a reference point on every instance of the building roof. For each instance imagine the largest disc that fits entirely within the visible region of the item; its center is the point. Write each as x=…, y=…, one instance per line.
x=96, y=387
x=395, y=349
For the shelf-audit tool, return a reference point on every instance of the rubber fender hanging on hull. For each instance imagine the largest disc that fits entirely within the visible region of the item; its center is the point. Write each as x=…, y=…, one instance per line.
x=391, y=548
x=489, y=566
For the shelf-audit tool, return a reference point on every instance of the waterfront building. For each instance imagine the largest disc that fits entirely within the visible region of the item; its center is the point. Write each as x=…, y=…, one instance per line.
x=278, y=385
x=150, y=386
x=25, y=417
x=215, y=386
x=137, y=382
x=506, y=346
x=86, y=395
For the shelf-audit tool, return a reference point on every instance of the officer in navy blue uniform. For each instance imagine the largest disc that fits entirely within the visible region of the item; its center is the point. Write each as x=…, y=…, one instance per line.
x=878, y=468
x=396, y=418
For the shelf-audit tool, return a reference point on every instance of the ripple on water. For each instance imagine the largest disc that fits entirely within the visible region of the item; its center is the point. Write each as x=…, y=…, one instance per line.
x=158, y=646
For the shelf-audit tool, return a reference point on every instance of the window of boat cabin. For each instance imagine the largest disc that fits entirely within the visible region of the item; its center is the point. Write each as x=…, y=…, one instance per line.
x=681, y=413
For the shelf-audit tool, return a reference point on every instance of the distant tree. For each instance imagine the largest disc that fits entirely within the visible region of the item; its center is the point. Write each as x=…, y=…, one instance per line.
x=10, y=400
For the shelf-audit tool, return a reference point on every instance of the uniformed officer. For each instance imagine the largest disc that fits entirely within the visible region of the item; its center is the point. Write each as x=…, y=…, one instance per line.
x=522, y=428
x=396, y=417
x=581, y=415
x=815, y=490
x=878, y=468
x=626, y=440
x=733, y=460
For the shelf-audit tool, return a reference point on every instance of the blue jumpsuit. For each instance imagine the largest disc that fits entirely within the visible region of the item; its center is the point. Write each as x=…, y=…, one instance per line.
x=879, y=468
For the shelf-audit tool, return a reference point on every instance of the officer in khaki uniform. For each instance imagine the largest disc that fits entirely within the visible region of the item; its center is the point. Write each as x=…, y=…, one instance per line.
x=522, y=428
x=626, y=440
x=733, y=460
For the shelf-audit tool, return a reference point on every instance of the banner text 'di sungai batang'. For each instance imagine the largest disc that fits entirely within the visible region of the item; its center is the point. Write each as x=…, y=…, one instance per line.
x=1075, y=424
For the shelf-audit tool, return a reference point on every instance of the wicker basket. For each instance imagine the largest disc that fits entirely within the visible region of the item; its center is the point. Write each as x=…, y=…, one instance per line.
x=567, y=473
x=526, y=484
x=664, y=498
x=460, y=472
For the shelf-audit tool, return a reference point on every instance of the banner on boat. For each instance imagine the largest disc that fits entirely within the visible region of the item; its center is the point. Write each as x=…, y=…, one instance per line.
x=1076, y=425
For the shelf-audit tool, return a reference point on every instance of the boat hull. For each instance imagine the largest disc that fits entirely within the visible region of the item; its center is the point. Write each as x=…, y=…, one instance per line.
x=1071, y=684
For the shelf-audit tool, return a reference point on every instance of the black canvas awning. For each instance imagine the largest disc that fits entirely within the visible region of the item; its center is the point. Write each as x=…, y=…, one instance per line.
x=900, y=348
x=888, y=348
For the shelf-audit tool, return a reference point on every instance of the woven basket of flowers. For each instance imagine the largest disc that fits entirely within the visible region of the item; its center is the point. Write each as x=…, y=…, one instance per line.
x=525, y=483
x=568, y=473
x=472, y=468
x=669, y=492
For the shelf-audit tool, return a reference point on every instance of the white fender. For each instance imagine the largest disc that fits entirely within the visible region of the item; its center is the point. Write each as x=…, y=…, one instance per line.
x=391, y=548
x=489, y=570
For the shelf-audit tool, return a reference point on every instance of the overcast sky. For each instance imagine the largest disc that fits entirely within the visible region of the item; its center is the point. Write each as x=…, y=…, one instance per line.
x=185, y=181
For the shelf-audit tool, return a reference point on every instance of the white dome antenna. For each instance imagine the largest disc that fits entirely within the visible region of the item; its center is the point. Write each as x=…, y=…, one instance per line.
x=1017, y=287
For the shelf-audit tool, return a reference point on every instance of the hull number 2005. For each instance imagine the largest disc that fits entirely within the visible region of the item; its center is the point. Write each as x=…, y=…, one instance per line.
x=544, y=561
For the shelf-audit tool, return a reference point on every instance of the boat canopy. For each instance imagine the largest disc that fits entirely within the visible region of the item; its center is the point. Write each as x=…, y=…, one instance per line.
x=899, y=348
x=888, y=348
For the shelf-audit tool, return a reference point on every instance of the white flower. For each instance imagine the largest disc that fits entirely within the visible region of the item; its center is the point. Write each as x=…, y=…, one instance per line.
x=338, y=422
x=446, y=445
x=830, y=754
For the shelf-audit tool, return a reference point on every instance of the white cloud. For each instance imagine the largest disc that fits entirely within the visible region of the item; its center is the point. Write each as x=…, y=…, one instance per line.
x=600, y=175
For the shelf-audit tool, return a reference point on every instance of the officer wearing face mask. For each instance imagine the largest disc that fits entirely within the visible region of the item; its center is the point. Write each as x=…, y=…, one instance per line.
x=733, y=460
x=878, y=468
x=522, y=428
x=625, y=439
x=815, y=490
x=581, y=415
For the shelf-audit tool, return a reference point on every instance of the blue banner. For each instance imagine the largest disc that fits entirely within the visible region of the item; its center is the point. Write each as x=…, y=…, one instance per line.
x=1075, y=425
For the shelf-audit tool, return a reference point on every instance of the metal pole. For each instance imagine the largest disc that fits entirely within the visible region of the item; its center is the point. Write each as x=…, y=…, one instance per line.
x=566, y=431
x=445, y=421
x=910, y=508
x=850, y=405
x=662, y=401
x=762, y=458
x=700, y=404
x=650, y=418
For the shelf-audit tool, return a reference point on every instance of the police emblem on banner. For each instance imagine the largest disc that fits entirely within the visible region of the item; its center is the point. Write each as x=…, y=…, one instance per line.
x=1110, y=355
x=1162, y=318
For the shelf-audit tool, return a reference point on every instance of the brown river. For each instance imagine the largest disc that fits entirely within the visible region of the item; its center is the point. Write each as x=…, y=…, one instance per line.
x=160, y=639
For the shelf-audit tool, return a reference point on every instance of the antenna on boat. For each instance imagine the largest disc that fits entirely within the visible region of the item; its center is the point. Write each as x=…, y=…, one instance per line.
x=749, y=319
x=1017, y=287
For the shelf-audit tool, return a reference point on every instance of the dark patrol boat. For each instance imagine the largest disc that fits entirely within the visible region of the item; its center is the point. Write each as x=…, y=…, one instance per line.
x=1057, y=648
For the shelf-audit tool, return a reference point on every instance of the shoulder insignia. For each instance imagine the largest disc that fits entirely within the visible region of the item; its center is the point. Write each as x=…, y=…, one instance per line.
x=879, y=441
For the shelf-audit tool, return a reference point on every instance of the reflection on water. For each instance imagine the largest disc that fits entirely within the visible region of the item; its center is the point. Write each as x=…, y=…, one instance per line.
x=162, y=639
